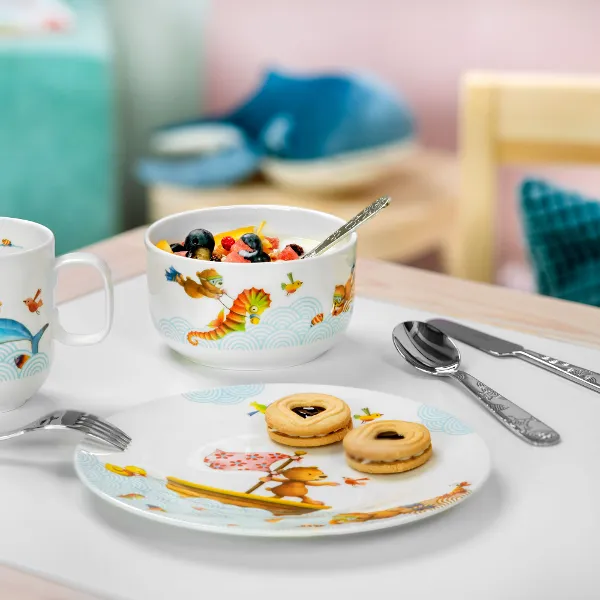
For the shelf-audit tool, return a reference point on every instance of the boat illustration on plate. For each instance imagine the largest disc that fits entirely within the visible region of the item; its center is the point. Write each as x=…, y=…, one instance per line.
x=293, y=482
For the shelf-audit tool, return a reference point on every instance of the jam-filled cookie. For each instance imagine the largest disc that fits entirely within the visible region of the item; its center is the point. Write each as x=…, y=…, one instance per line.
x=388, y=447
x=307, y=420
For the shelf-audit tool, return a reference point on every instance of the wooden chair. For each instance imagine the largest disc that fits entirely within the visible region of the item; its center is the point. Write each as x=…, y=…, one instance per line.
x=514, y=119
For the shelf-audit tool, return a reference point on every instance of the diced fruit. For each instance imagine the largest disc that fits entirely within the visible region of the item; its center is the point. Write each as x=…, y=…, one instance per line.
x=220, y=252
x=239, y=245
x=234, y=233
x=164, y=245
x=266, y=244
x=199, y=254
x=234, y=257
x=299, y=250
x=274, y=242
x=182, y=253
x=288, y=253
x=227, y=242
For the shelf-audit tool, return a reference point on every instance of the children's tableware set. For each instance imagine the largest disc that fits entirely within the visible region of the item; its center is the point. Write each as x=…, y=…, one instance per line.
x=215, y=468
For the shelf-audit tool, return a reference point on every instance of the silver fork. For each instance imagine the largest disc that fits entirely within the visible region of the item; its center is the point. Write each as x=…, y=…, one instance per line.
x=90, y=425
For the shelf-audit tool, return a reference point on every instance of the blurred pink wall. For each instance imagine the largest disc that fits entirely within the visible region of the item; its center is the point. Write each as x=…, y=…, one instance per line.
x=422, y=48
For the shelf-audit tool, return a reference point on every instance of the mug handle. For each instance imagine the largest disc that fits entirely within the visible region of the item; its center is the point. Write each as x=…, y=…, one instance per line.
x=86, y=339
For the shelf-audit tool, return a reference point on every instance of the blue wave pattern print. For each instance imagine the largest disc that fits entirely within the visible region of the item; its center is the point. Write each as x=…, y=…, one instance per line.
x=438, y=420
x=153, y=492
x=8, y=369
x=282, y=327
x=225, y=395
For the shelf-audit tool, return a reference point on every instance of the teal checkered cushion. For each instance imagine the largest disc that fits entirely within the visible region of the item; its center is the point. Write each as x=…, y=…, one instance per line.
x=562, y=231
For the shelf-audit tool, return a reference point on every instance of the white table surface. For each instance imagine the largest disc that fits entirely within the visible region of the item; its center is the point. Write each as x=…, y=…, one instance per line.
x=531, y=532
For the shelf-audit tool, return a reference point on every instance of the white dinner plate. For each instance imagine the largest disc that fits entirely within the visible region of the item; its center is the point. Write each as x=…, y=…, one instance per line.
x=197, y=459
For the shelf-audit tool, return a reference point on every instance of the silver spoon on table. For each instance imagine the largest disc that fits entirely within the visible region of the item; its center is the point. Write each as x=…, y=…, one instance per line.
x=430, y=351
x=347, y=228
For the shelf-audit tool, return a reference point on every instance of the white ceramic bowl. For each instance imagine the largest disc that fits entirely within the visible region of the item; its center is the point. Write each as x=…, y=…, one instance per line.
x=265, y=326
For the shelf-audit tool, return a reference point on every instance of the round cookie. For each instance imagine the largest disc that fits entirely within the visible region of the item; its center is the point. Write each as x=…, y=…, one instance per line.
x=388, y=447
x=308, y=420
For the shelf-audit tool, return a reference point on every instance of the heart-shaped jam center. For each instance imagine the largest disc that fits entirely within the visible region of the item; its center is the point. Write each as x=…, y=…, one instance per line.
x=307, y=411
x=389, y=435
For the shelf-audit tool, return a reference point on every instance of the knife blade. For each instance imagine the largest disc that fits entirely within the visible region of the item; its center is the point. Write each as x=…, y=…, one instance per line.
x=502, y=348
x=482, y=341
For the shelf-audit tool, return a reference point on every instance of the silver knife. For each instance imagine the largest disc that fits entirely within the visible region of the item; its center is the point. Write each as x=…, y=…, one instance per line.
x=501, y=348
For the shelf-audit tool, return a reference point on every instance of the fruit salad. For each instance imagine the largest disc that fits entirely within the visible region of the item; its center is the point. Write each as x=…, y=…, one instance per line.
x=242, y=245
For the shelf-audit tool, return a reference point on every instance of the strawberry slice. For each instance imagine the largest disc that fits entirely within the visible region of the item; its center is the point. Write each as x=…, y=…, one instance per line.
x=240, y=245
x=288, y=253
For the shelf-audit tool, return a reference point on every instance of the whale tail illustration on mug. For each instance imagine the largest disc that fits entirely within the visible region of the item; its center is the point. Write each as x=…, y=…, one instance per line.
x=13, y=331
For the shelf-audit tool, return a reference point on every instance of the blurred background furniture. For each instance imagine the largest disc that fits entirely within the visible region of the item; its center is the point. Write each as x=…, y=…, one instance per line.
x=57, y=129
x=531, y=119
x=418, y=222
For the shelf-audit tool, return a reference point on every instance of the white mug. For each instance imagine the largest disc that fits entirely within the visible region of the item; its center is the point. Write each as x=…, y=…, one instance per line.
x=28, y=318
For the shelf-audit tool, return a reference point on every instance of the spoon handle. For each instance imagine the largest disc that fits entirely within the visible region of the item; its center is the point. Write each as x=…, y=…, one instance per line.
x=519, y=421
x=347, y=228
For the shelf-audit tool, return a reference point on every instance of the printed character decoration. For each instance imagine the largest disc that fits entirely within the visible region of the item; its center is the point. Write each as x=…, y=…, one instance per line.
x=13, y=331
x=249, y=305
x=293, y=483
x=355, y=482
x=6, y=243
x=343, y=296
x=34, y=304
x=367, y=416
x=292, y=287
x=317, y=319
x=457, y=494
x=209, y=284
x=260, y=408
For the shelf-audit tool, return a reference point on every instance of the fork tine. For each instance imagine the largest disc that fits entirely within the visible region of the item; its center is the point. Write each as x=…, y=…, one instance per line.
x=108, y=427
x=92, y=422
x=102, y=438
x=92, y=429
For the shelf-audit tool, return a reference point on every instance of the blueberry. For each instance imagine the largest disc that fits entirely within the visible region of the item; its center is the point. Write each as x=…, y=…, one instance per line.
x=199, y=238
x=252, y=240
x=261, y=257
x=177, y=247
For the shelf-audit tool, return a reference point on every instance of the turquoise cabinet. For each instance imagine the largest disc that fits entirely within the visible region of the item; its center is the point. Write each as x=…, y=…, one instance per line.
x=58, y=143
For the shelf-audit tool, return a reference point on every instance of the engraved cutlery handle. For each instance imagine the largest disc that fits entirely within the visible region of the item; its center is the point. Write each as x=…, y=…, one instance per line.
x=583, y=377
x=519, y=421
x=347, y=228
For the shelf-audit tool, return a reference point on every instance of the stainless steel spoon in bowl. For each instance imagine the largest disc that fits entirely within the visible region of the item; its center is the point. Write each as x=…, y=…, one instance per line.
x=430, y=351
x=347, y=228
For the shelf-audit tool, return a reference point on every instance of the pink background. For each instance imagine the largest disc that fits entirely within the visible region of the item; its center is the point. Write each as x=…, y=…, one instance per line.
x=422, y=48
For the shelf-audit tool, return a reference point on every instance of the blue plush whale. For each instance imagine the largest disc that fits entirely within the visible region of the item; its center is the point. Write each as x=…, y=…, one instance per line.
x=290, y=118
x=13, y=331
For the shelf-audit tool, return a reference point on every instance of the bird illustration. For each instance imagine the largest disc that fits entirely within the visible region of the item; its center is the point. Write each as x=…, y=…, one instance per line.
x=34, y=304
x=292, y=287
x=368, y=416
x=260, y=408
x=355, y=482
